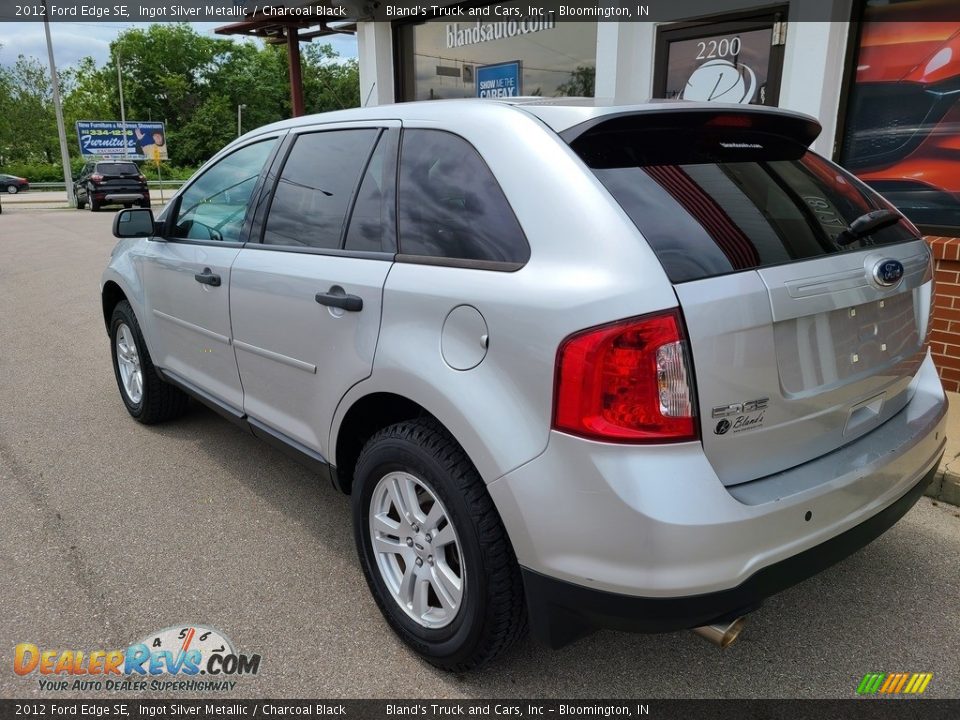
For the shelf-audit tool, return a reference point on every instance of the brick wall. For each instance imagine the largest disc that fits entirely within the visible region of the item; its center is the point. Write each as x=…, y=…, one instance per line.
x=945, y=330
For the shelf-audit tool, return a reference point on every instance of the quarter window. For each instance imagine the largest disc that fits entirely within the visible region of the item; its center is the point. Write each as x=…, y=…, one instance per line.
x=215, y=204
x=450, y=205
x=315, y=188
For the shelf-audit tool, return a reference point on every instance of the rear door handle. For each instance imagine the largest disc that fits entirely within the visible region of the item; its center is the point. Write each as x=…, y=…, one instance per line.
x=207, y=277
x=337, y=297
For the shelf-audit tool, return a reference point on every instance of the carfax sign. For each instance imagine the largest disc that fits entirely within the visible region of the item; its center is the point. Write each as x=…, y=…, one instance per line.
x=499, y=81
x=112, y=138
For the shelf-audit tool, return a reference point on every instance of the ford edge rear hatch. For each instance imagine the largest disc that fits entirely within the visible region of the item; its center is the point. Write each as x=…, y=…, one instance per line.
x=806, y=296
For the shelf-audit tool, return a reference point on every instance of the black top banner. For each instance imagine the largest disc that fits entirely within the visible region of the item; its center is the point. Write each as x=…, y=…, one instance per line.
x=498, y=709
x=333, y=11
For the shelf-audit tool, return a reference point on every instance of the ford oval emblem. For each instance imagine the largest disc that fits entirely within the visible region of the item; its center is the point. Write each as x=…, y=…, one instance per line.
x=888, y=272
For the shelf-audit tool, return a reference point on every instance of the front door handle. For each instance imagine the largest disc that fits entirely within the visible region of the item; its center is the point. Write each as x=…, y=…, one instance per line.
x=207, y=277
x=337, y=297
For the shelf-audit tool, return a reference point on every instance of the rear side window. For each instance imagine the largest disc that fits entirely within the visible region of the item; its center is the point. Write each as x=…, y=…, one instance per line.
x=714, y=202
x=373, y=223
x=450, y=206
x=316, y=187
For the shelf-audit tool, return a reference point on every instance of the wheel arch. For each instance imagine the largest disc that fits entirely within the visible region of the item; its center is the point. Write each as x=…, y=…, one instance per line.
x=110, y=296
x=364, y=417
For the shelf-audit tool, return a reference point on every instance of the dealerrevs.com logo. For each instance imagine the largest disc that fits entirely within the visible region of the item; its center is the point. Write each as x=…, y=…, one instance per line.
x=182, y=657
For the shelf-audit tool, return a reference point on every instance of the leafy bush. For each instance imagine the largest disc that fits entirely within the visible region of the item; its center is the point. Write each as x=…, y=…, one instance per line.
x=43, y=172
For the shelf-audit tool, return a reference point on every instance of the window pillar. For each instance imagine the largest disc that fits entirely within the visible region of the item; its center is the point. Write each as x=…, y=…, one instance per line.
x=375, y=50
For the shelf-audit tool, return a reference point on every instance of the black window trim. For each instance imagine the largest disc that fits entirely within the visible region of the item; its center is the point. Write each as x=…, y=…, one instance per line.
x=173, y=211
x=255, y=241
x=494, y=265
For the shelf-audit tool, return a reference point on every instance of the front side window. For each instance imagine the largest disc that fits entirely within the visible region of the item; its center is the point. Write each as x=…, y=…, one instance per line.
x=316, y=187
x=214, y=206
x=451, y=206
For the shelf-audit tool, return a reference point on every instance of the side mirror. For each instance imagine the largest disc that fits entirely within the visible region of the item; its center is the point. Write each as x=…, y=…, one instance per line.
x=133, y=223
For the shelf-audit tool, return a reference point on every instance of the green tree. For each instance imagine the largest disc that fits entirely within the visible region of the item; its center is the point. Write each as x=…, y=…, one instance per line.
x=170, y=73
x=329, y=81
x=581, y=83
x=29, y=130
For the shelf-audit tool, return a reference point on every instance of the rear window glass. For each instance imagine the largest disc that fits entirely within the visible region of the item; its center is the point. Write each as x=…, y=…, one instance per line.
x=720, y=204
x=118, y=169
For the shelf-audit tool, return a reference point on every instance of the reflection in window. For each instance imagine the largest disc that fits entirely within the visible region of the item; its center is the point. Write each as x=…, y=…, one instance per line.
x=372, y=226
x=450, y=204
x=214, y=206
x=315, y=188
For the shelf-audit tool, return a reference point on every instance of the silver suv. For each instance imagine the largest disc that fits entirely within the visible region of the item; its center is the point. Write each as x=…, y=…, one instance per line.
x=577, y=365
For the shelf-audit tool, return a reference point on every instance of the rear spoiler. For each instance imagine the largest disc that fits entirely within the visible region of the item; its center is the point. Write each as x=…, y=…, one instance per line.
x=749, y=132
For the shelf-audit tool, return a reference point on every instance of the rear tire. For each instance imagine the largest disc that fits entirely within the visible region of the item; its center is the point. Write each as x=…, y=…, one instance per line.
x=482, y=612
x=13, y=189
x=94, y=205
x=146, y=396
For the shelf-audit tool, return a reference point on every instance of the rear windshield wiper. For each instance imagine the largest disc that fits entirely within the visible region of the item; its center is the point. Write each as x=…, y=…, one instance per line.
x=868, y=223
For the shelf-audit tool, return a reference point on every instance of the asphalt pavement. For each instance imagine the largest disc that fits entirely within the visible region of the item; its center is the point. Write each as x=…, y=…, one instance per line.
x=110, y=530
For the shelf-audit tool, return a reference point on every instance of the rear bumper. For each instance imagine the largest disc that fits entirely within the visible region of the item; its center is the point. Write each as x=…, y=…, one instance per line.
x=561, y=612
x=120, y=197
x=649, y=539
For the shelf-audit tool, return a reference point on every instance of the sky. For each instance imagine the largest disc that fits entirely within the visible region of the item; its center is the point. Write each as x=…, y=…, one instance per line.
x=72, y=41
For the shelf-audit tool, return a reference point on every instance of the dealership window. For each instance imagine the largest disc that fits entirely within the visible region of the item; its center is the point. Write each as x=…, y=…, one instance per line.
x=489, y=57
x=901, y=125
x=732, y=58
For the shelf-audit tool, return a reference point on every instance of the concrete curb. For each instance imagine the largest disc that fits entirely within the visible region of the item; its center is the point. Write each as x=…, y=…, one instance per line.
x=946, y=484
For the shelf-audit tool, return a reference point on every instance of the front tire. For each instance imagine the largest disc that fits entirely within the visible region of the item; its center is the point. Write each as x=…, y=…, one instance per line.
x=146, y=396
x=80, y=204
x=433, y=548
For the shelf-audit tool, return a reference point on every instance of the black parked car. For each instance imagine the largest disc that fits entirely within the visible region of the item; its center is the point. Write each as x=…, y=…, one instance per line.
x=111, y=182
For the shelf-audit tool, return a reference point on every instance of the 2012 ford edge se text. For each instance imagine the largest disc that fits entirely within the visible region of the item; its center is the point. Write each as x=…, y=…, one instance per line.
x=577, y=365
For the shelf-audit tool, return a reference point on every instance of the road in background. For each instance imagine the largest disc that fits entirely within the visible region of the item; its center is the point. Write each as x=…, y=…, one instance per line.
x=57, y=200
x=110, y=530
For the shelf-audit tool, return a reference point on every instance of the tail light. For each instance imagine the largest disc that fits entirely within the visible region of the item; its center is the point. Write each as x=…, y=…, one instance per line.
x=628, y=381
x=96, y=178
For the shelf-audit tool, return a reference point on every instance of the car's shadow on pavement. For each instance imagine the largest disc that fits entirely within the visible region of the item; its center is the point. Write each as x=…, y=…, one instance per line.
x=871, y=612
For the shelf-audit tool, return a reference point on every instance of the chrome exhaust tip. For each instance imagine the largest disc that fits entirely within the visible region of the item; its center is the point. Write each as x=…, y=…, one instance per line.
x=722, y=635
